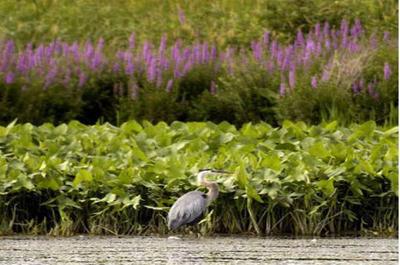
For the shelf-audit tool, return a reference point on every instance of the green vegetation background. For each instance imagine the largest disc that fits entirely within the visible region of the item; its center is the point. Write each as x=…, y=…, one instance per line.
x=102, y=179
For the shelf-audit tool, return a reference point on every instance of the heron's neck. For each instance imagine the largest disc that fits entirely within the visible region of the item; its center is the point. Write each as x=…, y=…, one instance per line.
x=212, y=193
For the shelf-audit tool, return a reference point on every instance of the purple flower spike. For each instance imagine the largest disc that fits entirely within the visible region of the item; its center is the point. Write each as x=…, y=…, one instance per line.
x=386, y=36
x=100, y=44
x=257, y=52
x=325, y=75
x=266, y=38
x=344, y=32
x=326, y=30
x=129, y=68
x=213, y=88
x=292, y=78
x=282, y=89
x=314, y=82
x=163, y=45
x=152, y=70
x=356, y=87
x=9, y=78
x=82, y=79
x=357, y=29
x=386, y=71
x=371, y=91
x=299, y=42
x=181, y=16
x=373, y=42
x=132, y=38
x=169, y=85
x=317, y=30
x=116, y=67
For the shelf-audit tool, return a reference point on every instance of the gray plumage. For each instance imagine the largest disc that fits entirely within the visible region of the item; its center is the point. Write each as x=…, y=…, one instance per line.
x=190, y=207
x=187, y=209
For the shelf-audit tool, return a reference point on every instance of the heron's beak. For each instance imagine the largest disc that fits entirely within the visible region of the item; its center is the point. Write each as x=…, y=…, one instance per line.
x=221, y=171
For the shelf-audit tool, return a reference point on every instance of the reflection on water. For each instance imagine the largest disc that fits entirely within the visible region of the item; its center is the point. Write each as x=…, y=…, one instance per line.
x=217, y=250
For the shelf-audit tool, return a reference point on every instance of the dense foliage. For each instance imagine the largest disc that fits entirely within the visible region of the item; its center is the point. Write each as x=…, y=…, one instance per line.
x=298, y=179
x=329, y=73
x=223, y=22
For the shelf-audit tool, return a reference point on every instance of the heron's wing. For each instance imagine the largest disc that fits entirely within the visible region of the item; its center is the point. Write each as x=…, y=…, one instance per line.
x=186, y=209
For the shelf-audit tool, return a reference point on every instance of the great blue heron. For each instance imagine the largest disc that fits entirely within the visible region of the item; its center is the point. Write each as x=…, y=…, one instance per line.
x=190, y=207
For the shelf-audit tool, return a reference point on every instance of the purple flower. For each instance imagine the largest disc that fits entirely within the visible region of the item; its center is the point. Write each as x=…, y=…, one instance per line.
x=266, y=38
x=353, y=46
x=356, y=30
x=292, y=78
x=116, y=67
x=74, y=48
x=213, y=52
x=356, y=87
x=327, y=43
x=386, y=71
x=89, y=51
x=181, y=16
x=100, y=44
x=273, y=48
x=299, y=42
x=288, y=60
x=213, y=88
x=326, y=75
x=50, y=77
x=132, y=41
x=282, y=89
x=82, y=79
x=96, y=61
x=256, y=47
x=67, y=77
x=129, y=68
x=314, y=82
x=169, y=85
x=175, y=52
x=187, y=67
x=152, y=70
x=9, y=78
x=205, y=56
x=373, y=41
x=317, y=30
x=163, y=45
x=270, y=66
x=372, y=92
x=177, y=72
x=386, y=36
x=326, y=30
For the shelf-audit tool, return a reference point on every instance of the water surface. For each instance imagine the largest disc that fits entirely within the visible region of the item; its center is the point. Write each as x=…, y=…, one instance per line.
x=216, y=250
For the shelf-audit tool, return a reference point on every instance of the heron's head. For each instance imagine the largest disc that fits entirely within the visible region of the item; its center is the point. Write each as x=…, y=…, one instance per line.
x=208, y=171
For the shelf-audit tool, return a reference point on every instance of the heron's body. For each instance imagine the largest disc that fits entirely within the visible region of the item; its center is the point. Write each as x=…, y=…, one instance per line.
x=190, y=207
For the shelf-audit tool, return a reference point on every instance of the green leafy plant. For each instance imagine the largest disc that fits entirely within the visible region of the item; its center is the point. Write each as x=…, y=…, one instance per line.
x=101, y=179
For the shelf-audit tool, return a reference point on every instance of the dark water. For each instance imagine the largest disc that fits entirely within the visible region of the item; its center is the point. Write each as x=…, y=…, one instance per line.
x=217, y=250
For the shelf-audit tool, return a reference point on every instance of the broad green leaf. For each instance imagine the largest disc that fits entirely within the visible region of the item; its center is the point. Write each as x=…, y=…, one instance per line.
x=82, y=176
x=131, y=127
x=319, y=150
x=326, y=186
x=241, y=176
x=272, y=161
x=364, y=130
x=252, y=193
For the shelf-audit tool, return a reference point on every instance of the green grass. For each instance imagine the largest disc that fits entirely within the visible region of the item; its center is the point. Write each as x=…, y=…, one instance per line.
x=225, y=22
x=101, y=179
